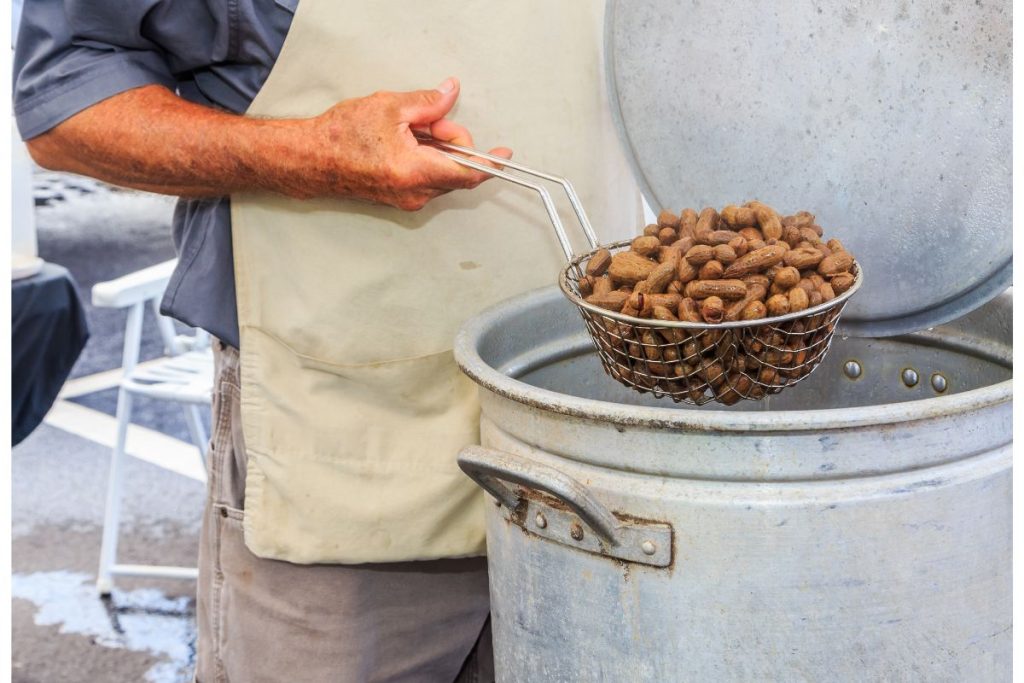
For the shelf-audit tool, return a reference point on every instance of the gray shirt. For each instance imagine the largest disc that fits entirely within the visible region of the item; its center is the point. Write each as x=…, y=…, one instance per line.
x=71, y=54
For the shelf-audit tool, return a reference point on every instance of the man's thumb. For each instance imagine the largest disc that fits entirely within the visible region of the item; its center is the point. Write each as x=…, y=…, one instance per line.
x=427, y=106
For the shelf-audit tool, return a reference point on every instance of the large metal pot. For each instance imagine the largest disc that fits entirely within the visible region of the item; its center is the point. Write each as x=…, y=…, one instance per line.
x=857, y=528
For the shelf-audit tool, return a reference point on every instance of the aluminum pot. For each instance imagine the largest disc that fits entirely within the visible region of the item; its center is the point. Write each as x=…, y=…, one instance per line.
x=854, y=528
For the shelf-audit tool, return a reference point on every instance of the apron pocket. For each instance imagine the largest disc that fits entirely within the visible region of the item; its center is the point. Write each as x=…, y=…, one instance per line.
x=423, y=385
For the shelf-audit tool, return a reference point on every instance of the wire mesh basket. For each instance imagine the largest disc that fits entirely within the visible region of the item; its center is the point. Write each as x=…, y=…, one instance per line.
x=700, y=362
x=688, y=362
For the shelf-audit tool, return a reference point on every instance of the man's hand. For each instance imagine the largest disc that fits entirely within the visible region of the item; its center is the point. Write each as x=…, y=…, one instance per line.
x=149, y=138
x=365, y=148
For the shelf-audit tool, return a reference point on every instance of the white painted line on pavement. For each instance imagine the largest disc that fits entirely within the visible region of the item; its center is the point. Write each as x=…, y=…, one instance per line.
x=143, y=443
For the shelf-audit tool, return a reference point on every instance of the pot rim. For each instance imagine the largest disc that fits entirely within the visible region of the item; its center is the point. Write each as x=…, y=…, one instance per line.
x=471, y=363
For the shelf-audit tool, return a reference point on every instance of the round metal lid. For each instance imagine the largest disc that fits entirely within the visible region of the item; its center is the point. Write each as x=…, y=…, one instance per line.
x=888, y=120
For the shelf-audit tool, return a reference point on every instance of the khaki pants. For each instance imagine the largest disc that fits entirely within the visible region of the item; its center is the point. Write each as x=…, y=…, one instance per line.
x=267, y=620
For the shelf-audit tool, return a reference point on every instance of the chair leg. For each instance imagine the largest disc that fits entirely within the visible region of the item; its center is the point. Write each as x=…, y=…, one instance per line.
x=195, y=428
x=112, y=516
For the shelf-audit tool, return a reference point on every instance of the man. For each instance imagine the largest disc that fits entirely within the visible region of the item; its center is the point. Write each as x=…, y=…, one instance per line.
x=340, y=541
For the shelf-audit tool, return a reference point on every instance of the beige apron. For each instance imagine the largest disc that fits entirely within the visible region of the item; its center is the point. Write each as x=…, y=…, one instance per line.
x=353, y=408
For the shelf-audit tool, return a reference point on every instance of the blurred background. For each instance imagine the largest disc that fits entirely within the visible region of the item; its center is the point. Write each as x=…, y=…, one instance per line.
x=63, y=629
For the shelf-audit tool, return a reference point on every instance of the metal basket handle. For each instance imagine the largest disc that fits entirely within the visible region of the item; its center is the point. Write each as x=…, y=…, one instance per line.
x=453, y=152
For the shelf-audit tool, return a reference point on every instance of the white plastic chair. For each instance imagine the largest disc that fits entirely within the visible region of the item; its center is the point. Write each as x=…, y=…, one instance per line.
x=184, y=376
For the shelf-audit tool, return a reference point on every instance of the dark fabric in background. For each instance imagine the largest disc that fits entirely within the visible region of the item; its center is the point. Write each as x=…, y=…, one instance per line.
x=48, y=332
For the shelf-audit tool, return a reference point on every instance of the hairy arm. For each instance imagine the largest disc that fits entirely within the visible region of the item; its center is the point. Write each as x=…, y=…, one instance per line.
x=150, y=139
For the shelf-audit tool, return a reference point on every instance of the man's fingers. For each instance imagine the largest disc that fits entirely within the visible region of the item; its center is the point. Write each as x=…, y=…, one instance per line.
x=447, y=130
x=426, y=106
x=503, y=152
x=441, y=172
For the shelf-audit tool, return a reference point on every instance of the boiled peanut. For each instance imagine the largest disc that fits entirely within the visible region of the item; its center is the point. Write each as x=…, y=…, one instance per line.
x=629, y=267
x=724, y=254
x=724, y=289
x=667, y=300
x=661, y=276
x=689, y=311
x=751, y=234
x=646, y=245
x=739, y=216
x=712, y=309
x=768, y=221
x=652, y=230
x=787, y=277
x=755, y=292
x=671, y=335
x=599, y=262
x=716, y=237
x=603, y=285
x=613, y=301
x=841, y=282
x=791, y=236
x=700, y=254
x=669, y=255
x=803, y=258
x=706, y=222
x=755, y=261
x=755, y=310
x=686, y=271
x=838, y=262
x=687, y=223
x=798, y=299
x=777, y=305
x=810, y=235
x=667, y=236
x=668, y=219
x=684, y=244
x=712, y=270
x=757, y=279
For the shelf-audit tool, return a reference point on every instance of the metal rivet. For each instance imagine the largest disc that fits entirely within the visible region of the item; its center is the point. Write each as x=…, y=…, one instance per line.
x=648, y=547
x=576, y=531
x=852, y=369
x=540, y=521
x=939, y=383
x=910, y=377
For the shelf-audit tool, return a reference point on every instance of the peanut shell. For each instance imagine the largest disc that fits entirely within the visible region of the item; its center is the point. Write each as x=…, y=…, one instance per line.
x=599, y=262
x=629, y=267
x=646, y=245
x=712, y=309
x=712, y=270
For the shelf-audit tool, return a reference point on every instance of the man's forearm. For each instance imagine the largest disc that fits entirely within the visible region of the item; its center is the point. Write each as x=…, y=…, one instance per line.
x=151, y=139
x=363, y=148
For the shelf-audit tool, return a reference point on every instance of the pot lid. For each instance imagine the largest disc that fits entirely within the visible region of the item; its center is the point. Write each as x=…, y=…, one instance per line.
x=888, y=120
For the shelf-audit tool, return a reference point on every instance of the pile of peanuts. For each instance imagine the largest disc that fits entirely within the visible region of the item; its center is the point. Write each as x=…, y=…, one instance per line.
x=746, y=263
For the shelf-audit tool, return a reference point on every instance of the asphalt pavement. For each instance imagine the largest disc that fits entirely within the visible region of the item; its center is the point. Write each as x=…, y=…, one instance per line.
x=62, y=630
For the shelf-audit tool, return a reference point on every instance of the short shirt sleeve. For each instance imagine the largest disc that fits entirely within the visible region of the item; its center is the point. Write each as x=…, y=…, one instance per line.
x=58, y=72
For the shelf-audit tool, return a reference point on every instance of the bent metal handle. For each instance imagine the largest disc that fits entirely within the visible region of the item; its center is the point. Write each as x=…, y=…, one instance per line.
x=643, y=542
x=489, y=468
x=455, y=152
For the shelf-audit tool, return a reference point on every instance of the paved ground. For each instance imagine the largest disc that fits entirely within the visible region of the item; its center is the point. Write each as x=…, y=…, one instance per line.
x=63, y=632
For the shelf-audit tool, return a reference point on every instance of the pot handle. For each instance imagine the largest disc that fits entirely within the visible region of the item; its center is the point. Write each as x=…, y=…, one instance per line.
x=490, y=469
